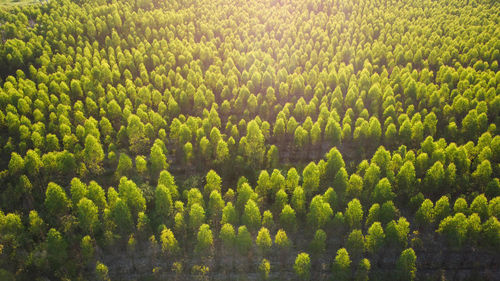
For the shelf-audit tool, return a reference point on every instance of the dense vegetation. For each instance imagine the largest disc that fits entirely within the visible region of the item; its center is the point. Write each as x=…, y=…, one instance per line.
x=272, y=139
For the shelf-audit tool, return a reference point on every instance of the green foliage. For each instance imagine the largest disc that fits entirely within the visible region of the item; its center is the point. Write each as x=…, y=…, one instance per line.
x=263, y=240
x=204, y=238
x=407, y=265
x=106, y=96
x=342, y=265
x=320, y=212
x=56, y=201
x=302, y=266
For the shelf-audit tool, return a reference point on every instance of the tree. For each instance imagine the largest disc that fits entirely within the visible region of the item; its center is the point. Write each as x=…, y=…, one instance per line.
x=489, y=232
x=425, y=214
x=288, y=219
x=442, y=208
x=56, y=248
x=163, y=203
x=341, y=181
x=354, y=214
x=121, y=216
x=229, y=214
x=124, y=166
x=16, y=164
x=455, y=229
x=375, y=238
x=333, y=132
x=56, y=201
x=263, y=240
x=363, y=271
x=251, y=217
x=101, y=271
x=318, y=244
x=397, y=233
x=169, y=244
x=334, y=163
x=196, y=216
x=480, y=206
x=254, y=150
x=88, y=217
x=280, y=200
x=132, y=195
x=264, y=269
x=205, y=240
x=434, y=178
x=168, y=181
x=158, y=160
x=227, y=236
x=407, y=265
x=281, y=241
x=302, y=266
x=243, y=240
x=383, y=191
x=93, y=154
x=311, y=179
x=298, y=201
x=342, y=265
x=78, y=190
x=320, y=212
x=292, y=180
x=355, y=186
x=87, y=249
x=213, y=182
x=405, y=180
x=215, y=206
x=355, y=243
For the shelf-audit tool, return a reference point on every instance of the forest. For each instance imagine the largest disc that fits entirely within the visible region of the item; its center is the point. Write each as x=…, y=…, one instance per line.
x=250, y=140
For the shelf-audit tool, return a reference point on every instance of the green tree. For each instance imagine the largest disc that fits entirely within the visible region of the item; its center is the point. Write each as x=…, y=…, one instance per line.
x=229, y=214
x=251, y=216
x=354, y=214
x=363, y=271
x=310, y=176
x=243, y=240
x=383, y=191
x=121, y=216
x=355, y=243
x=425, y=214
x=302, y=266
x=264, y=269
x=56, y=248
x=227, y=236
x=88, y=216
x=56, y=201
x=288, y=219
x=213, y=182
x=375, y=238
x=163, y=203
x=204, y=239
x=263, y=240
x=407, y=265
x=281, y=240
x=158, y=160
x=320, y=212
x=169, y=244
x=101, y=271
x=93, y=154
x=342, y=265
x=397, y=233
x=196, y=216
x=124, y=166
x=405, y=180
x=318, y=244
